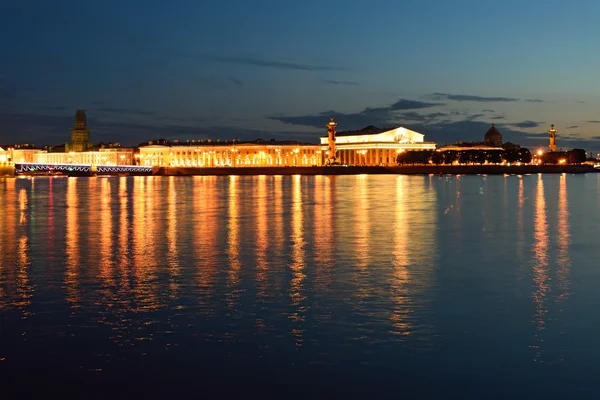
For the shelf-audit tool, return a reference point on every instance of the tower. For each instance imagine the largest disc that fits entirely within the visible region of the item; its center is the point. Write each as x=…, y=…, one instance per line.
x=331, y=125
x=552, y=133
x=80, y=134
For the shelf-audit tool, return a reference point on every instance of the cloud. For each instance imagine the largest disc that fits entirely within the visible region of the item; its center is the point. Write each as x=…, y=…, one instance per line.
x=534, y=101
x=495, y=117
x=129, y=111
x=474, y=116
x=261, y=62
x=237, y=81
x=579, y=101
x=412, y=105
x=466, y=97
x=334, y=82
x=379, y=116
x=525, y=124
x=487, y=110
x=572, y=127
x=594, y=121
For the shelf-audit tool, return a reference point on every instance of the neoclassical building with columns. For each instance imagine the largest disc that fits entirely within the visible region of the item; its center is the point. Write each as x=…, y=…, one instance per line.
x=368, y=146
x=374, y=146
x=207, y=153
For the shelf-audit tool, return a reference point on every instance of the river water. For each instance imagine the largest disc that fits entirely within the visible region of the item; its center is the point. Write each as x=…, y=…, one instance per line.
x=316, y=286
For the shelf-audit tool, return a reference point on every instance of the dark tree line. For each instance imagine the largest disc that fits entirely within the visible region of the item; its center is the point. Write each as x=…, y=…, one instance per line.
x=575, y=156
x=464, y=156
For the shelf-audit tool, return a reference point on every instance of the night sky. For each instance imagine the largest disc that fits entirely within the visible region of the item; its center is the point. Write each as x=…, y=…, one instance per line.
x=247, y=69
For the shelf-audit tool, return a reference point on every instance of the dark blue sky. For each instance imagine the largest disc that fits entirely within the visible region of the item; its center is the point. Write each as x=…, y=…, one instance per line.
x=146, y=69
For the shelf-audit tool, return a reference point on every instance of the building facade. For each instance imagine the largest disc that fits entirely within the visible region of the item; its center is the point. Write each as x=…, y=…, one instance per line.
x=80, y=134
x=108, y=156
x=230, y=154
x=374, y=146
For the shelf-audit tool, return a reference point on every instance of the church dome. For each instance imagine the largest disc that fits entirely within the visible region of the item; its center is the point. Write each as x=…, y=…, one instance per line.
x=493, y=137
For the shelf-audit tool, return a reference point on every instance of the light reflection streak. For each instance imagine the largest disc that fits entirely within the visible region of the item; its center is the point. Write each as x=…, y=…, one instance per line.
x=323, y=232
x=520, y=225
x=8, y=214
x=361, y=227
x=540, y=266
x=144, y=245
x=72, y=249
x=106, y=242
x=233, y=241
x=8, y=238
x=205, y=239
x=50, y=209
x=563, y=241
x=298, y=263
x=23, y=206
x=24, y=288
x=401, y=276
x=124, y=229
x=172, y=257
x=277, y=239
x=262, y=239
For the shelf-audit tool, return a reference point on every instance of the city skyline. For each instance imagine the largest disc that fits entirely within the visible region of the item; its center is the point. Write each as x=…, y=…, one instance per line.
x=144, y=71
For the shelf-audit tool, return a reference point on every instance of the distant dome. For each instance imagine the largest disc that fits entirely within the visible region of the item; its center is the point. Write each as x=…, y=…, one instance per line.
x=493, y=137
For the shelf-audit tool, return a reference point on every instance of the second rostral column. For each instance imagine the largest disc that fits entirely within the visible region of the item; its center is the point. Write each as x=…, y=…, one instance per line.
x=331, y=156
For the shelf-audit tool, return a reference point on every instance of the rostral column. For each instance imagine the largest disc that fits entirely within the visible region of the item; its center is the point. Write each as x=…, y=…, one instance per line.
x=331, y=142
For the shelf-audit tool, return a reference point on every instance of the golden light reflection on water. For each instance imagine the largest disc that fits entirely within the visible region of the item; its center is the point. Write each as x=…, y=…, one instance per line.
x=278, y=238
x=262, y=239
x=8, y=238
x=323, y=231
x=124, y=230
x=206, y=223
x=563, y=238
x=401, y=276
x=171, y=220
x=105, y=247
x=144, y=245
x=520, y=227
x=23, y=206
x=24, y=288
x=540, y=262
x=298, y=263
x=233, y=241
x=72, y=249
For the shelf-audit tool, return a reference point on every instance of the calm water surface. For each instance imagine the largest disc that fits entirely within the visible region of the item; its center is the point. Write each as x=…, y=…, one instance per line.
x=394, y=285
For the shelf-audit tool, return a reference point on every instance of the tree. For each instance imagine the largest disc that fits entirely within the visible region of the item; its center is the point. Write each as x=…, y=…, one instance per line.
x=524, y=155
x=577, y=156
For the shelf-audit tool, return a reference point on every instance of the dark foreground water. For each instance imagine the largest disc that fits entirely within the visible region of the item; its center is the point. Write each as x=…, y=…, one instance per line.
x=395, y=286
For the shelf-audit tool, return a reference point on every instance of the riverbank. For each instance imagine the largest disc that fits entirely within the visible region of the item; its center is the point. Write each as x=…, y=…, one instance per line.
x=358, y=170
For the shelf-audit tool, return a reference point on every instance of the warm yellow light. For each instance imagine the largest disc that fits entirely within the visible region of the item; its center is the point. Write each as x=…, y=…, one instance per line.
x=540, y=152
x=562, y=161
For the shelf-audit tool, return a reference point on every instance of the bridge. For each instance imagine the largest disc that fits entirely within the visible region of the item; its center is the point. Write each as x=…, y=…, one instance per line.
x=28, y=168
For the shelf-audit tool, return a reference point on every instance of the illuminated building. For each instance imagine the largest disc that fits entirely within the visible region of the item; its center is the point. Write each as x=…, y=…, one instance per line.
x=374, y=146
x=207, y=153
x=552, y=132
x=81, y=151
x=4, y=156
x=17, y=153
x=493, y=137
x=103, y=156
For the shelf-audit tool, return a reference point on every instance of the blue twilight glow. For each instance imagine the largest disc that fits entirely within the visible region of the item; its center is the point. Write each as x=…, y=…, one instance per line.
x=147, y=69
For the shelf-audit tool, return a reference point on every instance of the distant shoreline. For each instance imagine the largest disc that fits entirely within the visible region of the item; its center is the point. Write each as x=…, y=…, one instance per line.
x=374, y=170
x=357, y=170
